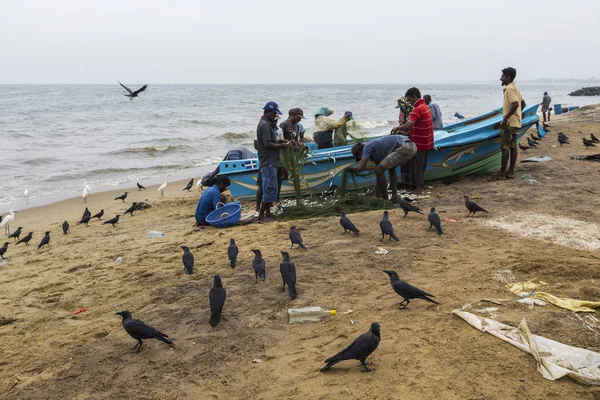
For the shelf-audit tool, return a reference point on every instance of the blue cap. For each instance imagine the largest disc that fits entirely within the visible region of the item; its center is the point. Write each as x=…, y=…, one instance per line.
x=545, y=93
x=272, y=106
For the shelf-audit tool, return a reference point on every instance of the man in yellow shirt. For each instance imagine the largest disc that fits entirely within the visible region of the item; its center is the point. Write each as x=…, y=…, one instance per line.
x=512, y=109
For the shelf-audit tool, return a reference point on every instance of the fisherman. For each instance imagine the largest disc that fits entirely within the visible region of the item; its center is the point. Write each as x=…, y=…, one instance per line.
x=324, y=127
x=546, y=100
x=387, y=152
x=436, y=113
x=420, y=126
x=210, y=198
x=289, y=127
x=340, y=135
x=268, y=148
x=512, y=108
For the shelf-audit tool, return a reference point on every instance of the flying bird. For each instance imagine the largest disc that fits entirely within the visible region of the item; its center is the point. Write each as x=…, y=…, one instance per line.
x=386, y=227
x=472, y=206
x=99, y=215
x=3, y=249
x=359, y=350
x=131, y=94
x=16, y=234
x=122, y=197
x=232, y=252
x=65, y=227
x=7, y=220
x=189, y=185
x=45, y=240
x=139, y=330
x=347, y=224
x=86, y=213
x=112, y=221
x=216, y=298
x=406, y=291
x=140, y=187
x=85, y=220
x=434, y=221
x=131, y=209
x=588, y=143
x=26, y=239
x=259, y=266
x=523, y=147
x=295, y=237
x=407, y=207
x=288, y=274
x=188, y=260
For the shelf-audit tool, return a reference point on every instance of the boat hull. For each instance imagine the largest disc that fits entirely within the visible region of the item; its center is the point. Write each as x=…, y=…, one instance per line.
x=469, y=147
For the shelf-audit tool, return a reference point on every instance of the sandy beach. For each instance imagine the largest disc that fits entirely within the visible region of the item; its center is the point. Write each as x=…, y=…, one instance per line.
x=547, y=230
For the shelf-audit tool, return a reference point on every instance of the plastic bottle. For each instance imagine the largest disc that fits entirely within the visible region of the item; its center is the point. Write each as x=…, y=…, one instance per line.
x=156, y=234
x=308, y=314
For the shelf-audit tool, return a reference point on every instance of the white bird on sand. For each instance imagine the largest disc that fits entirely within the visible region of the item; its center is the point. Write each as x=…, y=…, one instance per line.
x=26, y=193
x=7, y=220
x=162, y=187
x=86, y=192
x=199, y=184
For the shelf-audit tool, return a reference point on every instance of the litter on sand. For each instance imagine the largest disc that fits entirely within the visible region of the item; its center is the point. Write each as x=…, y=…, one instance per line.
x=537, y=159
x=531, y=302
x=381, y=250
x=569, y=304
x=554, y=359
x=449, y=219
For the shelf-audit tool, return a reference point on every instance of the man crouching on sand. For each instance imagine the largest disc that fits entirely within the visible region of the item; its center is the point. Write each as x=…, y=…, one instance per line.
x=388, y=153
x=210, y=198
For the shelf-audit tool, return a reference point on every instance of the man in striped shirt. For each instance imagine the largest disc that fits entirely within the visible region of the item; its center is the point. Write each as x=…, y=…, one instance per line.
x=420, y=126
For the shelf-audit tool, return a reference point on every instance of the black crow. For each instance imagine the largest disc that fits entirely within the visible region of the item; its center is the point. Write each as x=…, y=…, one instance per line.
x=16, y=234
x=4, y=248
x=189, y=185
x=131, y=209
x=295, y=237
x=232, y=252
x=594, y=138
x=85, y=220
x=434, y=221
x=26, y=239
x=531, y=143
x=523, y=147
x=140, y=187
x=86, y=213
x=288, y=274
x=65, y=227
x=259, y=266
x=359, y=350
x=122, y=197
x=407, y=291
x=386, y=227
x=131, y=94
x=188, y=260
x=407, y=207
x=588, y=143
x=45, y=240
x=216, y=297
x=99, y=215
x=347, y=224
x=139, y=330
x=472, y=206
x=112, y=221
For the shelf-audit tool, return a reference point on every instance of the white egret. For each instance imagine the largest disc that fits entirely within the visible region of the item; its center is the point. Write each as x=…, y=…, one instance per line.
x=26, y=193
x=86, y=192
x=7, y=220
x=199, y=184
x=162, y=187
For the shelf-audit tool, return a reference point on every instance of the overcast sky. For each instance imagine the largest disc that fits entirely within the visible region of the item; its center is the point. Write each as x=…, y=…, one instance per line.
x=235, y=41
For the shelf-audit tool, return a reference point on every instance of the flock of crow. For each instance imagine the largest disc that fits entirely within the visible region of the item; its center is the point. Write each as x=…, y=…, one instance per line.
x=532, y=140
x=363, y=346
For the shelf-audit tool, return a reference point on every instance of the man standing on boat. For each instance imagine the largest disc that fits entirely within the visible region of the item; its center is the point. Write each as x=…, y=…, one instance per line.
x=324, y=126
x=387, y=153
x=268, y=148
x=546, y=100
x=436, y=113
x=420, y=126
x=290, y=128
x=512, y=108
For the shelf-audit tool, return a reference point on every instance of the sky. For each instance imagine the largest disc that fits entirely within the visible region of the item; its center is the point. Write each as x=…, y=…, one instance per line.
x=258, y=42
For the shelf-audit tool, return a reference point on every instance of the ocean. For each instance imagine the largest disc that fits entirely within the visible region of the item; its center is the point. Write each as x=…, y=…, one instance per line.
x=56, y=137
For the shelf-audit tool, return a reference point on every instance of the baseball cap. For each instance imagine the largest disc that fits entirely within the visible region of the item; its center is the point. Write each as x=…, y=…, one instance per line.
x=297, y=111
x=545, y=93
x=272, y=106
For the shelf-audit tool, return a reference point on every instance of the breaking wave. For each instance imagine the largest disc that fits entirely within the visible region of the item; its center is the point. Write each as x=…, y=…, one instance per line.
x=151, y=150
x=236, y=135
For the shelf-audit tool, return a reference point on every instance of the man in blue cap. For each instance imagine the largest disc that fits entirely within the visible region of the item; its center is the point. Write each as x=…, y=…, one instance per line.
x=268, y=148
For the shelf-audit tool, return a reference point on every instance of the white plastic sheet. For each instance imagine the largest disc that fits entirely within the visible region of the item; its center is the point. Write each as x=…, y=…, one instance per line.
x=554, y=359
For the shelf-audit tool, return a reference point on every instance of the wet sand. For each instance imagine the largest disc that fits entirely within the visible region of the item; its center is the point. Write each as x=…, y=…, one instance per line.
x=547, y=230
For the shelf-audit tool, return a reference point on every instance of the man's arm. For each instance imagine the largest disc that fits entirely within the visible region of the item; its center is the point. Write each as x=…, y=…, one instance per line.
x=362, y=165
x=265, y=135
x=523, y=104
x=331, y=123
x=404, y=127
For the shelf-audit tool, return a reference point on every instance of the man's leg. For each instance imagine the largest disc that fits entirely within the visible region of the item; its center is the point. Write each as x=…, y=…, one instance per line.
x=381, y=185
x=510, y=174
x=269, y=191
x=421, y=165
x=544, y=114
x=258, y=191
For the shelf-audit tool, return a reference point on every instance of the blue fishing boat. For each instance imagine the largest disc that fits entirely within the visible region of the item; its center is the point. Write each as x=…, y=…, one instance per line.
x=468, y=147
